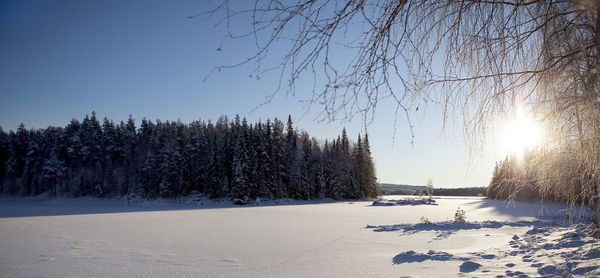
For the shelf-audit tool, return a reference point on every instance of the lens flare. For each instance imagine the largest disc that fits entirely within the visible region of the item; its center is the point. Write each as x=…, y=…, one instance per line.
x=521, y=134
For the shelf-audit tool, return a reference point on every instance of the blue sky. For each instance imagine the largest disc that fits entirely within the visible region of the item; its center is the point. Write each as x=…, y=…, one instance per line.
x=64, y=59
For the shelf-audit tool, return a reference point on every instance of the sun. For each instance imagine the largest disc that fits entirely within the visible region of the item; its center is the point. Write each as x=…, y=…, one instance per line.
x=522, y=133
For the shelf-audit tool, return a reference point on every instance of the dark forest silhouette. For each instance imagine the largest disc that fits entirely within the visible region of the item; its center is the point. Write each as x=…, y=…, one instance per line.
x=225, y=159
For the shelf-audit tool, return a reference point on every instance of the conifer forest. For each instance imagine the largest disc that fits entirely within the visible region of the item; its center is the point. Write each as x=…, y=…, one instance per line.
x=224, y=159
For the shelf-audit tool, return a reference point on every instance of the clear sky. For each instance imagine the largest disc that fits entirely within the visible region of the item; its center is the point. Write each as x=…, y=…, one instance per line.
x=63, y=59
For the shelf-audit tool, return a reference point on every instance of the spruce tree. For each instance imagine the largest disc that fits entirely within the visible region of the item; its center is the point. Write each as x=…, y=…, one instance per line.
x=4, y=156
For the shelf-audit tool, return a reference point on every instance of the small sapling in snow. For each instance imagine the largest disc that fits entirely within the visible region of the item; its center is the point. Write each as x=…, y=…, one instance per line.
x=459, y=215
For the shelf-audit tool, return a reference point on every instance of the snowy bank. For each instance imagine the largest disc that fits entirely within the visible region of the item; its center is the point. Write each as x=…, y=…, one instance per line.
x=547, y=249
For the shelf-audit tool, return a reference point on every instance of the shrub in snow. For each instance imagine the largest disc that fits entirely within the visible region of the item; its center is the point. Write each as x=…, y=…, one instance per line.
x=424, y=220
x=459, y=215
x=429, y=188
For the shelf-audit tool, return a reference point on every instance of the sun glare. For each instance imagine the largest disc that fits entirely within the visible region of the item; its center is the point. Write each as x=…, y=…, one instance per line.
x=521, y=134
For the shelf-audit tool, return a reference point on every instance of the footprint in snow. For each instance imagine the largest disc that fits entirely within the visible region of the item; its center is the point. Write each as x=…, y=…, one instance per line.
x=488, y=256
x=537, y=265
x=549, y=270
x=469, y=266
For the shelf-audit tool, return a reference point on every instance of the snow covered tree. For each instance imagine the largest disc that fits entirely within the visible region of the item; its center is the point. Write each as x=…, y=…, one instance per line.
x=333, y=186
x=513, y=179
x=317, y=170
x=4, y=156
x=171, y=182
x=239, y=182
x=128, y=142
x=306, y=185
x=277, y=157
x=290, y=163
x=263, y=152
x=169, y=159
x=53, y=173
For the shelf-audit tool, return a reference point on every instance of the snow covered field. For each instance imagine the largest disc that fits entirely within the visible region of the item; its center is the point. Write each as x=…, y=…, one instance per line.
x=89, y=237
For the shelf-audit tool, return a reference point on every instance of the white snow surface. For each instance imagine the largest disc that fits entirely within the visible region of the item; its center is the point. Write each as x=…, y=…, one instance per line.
x=88, y=237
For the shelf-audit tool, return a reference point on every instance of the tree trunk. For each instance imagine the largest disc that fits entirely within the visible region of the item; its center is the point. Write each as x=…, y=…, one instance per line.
x=594, y=206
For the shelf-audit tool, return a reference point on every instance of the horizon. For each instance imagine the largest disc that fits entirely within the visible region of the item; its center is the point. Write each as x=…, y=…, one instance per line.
x=230, y=118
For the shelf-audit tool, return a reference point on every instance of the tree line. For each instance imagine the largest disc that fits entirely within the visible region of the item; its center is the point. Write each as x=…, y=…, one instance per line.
x=225, y=159
x=546, y=175
x=461, y=191
x=514, y=179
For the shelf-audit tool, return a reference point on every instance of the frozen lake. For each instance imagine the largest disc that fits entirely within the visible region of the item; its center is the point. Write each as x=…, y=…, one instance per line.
x=107, y=238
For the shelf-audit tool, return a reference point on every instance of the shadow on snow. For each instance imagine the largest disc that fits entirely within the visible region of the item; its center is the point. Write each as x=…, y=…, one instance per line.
x=33, y=207
x=414, y=257
x=445, y=229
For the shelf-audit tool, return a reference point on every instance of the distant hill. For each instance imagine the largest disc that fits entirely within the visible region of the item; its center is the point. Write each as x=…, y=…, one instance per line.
x=405, y=189
x=401, y=189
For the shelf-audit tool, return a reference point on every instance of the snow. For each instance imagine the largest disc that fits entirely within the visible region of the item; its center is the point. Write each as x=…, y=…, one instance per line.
x=88, y=237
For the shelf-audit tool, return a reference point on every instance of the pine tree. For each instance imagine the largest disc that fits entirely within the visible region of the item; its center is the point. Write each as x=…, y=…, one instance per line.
x=359, y=165
x=109, y=155
x=253, y=170
x=291, y=162
x=33, y=164
x=195, y=153
x=239, y=182
x=224, y=155
x=331, y=173
x=170, y=171
x=4, y=156
x=53, y=172
x=128, y=141
x=371, y=177
x=213, y=185
x=307, y=172
x=317, y=168
x=277, y=184
x=265, y=162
